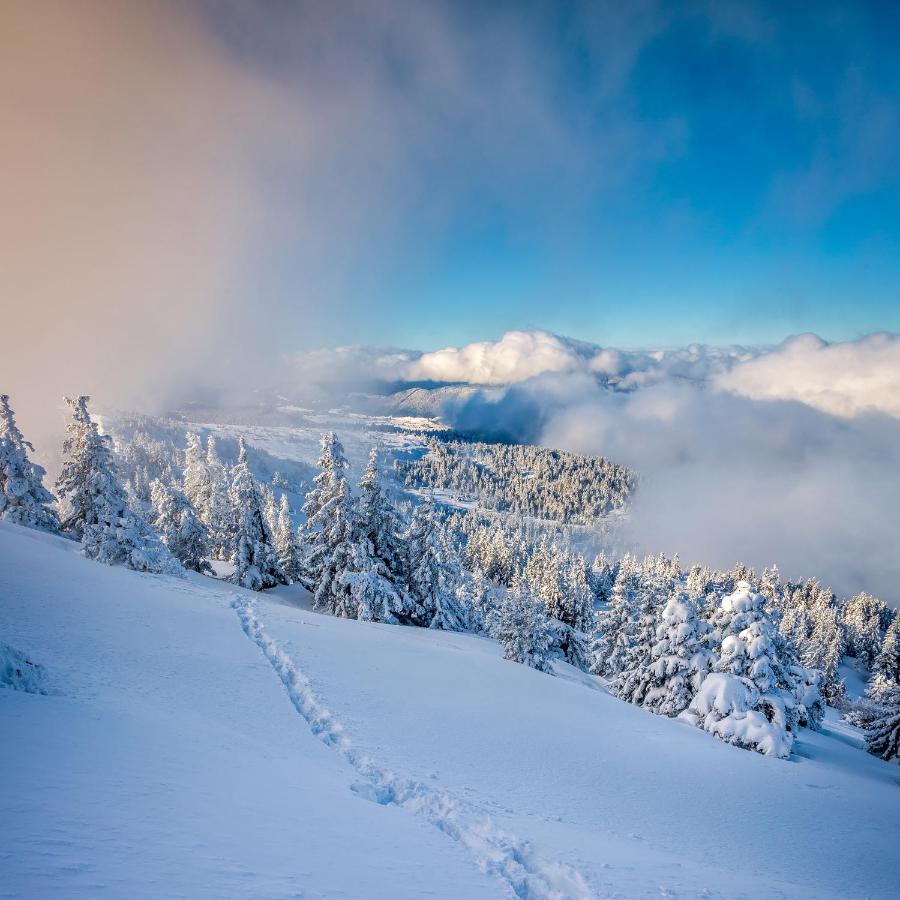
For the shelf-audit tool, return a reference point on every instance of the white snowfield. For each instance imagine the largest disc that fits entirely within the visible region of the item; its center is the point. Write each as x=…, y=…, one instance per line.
x=203, y=741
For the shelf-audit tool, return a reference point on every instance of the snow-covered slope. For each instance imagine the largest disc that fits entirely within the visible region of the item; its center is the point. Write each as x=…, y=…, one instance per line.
x=203, y=741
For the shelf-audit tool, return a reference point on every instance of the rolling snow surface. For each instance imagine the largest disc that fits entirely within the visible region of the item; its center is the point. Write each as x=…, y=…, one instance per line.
x=198, y=740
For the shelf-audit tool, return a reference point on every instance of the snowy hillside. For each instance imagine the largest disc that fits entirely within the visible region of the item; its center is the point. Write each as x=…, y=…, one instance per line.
x=200, y=740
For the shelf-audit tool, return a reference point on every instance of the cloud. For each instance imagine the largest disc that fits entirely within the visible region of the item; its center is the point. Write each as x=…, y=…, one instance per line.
x=192, y=190
x=520, y=355
x=845, y=379
x=726, y=478
x=785, y=454
x=516, y=356
x=129, y=199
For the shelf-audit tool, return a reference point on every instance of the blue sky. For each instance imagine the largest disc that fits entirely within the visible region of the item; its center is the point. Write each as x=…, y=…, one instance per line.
x=675, y=172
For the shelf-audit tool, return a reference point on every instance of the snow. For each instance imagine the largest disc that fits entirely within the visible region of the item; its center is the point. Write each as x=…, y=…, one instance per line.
x=198, y=740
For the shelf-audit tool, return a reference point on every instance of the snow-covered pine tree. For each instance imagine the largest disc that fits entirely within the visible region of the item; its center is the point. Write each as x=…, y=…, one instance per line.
x=560, y=580
x=434, y=574
x=23, y=498
x=219, y=518
x=612, y=633
x=380, y=521
x=741, y=701
x=95, y=508
x=825, y=647
x=864, y=618
x=601, y=577
x=269, y=507
x=205, y=484
x=286, y=542
x=636, y=677
x=880, y=720
x=253, y=548
x=320, y=507
x=521, y=625
x=338, y=555
x=368, y=582
x=330, y=534
x=886, y=669
x=177, y=523
x=680, y=659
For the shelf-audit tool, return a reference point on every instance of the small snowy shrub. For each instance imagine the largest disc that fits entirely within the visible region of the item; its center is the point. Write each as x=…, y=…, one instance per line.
x=19, y=673
x=521, y=625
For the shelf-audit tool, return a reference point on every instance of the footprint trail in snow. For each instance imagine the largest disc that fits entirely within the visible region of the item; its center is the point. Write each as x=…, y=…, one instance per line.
x=509, y=858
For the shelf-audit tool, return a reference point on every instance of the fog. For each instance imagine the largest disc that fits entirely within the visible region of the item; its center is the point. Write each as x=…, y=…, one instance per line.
x=192, y=190
x=726, y=478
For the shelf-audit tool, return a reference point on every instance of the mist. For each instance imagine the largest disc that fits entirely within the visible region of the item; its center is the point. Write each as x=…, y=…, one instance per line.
x=726, y=478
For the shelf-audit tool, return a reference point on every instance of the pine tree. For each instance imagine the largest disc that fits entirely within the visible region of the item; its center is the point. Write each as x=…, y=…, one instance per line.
x=880, y=721
x=96, y=510
x=373, y=593
x=339, y=554
x=253, y=552
x=887, y=663
x=380, y=521
x=635, y=677
x=680, y=659
x=321, y=506
x=269, y=507
x=219, y=517
x=434, y=575
x=23, y=498
x=176, y=521
x=824, y=649
x=521, y=626
x=612, y=634
x=862, y=618
x=286, y=542
x=601, y=577
x=741, y=701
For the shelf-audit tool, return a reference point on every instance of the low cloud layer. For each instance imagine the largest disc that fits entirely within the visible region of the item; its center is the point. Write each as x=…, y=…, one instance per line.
x=787, y=454
x=844, y=379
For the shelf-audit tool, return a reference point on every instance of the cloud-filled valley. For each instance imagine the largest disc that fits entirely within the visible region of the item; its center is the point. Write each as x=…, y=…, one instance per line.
x=785, y=454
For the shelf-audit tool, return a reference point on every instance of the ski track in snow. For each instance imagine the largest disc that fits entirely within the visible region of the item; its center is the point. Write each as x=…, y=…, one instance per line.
x=497, y=852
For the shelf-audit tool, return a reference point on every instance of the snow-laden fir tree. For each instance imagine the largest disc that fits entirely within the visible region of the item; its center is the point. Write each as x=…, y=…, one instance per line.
x=23, y=498
x=864, y=619
x=94, y=504
x=521, y=625
x=434, y=574
x=380, y=521
x=205, y=484
x=286, y=545
x=253, y=552
x=879, y=717
x=740, y=701
x=635, y=677
x=680, y=658
x=560, y=580
x=330, y=535
x=612, y=633
x=886, y=669
x=373, y=595
x=601, y=577
x=177, y=523
x=825, y=647
x=321, y=506
x=379, y=560
x=269, y=506
x=338, y=554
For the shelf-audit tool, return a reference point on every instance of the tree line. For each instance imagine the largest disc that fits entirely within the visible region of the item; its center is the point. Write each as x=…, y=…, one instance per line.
x=748, y=659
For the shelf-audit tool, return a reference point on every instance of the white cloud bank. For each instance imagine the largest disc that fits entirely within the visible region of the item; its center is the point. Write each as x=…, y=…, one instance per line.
x=786, y=454
x=844, y=379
